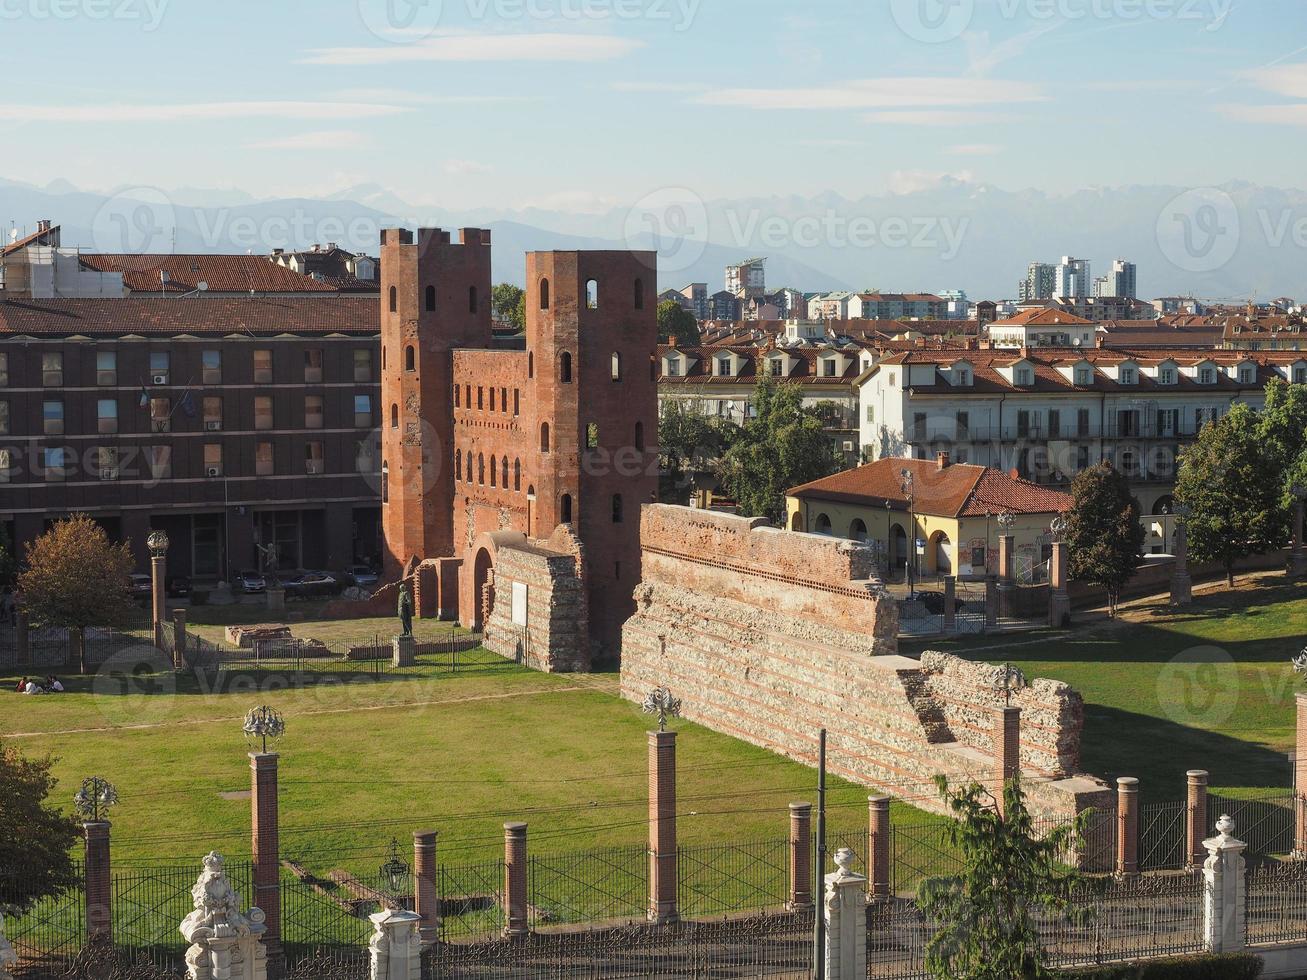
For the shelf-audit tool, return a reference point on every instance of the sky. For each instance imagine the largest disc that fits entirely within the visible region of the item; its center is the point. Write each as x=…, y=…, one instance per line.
x=590, y=104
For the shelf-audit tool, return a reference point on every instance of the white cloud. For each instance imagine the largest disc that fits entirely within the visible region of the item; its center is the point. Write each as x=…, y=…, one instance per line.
x=466, y=168
x=984, y=54
x=1274, y=115
x=913, y=181
x=1287, y=80
x=483, y=47
x=194, y=111
x=974, y=149
x=326, y=139
x=881, y=93
x=935, y=117
x=669, y=87
x=396, y=96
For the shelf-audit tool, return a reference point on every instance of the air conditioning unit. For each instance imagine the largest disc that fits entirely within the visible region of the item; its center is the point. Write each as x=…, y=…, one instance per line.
x=108, y=474
x=213, y=425
x=848, y=446
x=161, y=379
x=213, y=471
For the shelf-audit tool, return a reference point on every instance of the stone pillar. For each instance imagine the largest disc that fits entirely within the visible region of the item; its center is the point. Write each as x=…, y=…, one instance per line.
x=1298, y=556
x=426, y=894
x=878, y=852
x=516, y=923
x=1006, y=551
x=99, y=883
x=403, y=651
x=1007, y=749
x=275, y=598
x=1127, y=826
x=1182, y=586
x=800, y=857
x=395, y=946
x=1300, y=778
x=662, y=827
x=226, y=944
x=23, y=640
x=265, y=842
x=991, y=603
x=1224, y=908
x=1059, y=602
x=179, y=637
x=158, y=573
x=1195, y=818
x=845, y=911
x=950, y=604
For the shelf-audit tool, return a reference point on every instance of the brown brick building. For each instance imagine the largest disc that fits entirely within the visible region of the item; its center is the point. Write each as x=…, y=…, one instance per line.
x=486, y=444
x=224, y=421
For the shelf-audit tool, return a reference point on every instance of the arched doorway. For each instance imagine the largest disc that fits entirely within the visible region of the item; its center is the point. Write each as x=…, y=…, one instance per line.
x=796, y=521
x=941, y=553
x=822, y=524
x=483, y=586
x=858, y=529
x=898, y=547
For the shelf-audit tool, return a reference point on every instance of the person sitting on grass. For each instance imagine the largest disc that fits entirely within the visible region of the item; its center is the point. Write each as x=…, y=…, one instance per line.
x=33, y=688
x=53, y=684
x=22, y=686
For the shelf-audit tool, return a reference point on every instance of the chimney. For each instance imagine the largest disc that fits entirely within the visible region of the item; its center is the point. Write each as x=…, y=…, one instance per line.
x=941, y=460
x=43, y=224
x=671, y=340
x=1014, y=473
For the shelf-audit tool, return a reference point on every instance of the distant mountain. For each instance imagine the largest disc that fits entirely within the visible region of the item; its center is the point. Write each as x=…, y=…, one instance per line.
x=1231, y=242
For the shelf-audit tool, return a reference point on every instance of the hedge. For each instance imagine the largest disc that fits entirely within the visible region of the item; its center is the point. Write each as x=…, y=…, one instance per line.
x=1226, y=966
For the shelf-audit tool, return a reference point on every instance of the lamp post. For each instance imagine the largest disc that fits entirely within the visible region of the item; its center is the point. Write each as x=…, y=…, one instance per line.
x=1298, y=556
x=662, y=807
x=263, y=725
x=396, y=877
x=1181, y=583
x=157, y=542
x=906, y=485
x=93, y=802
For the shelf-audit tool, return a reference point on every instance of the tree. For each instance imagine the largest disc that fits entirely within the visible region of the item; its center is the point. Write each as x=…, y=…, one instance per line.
x=674, y=320
x=986, y=914
x=7, y=564
x=688, y=441
x=1282, y=431
x=76, y=578
x=1234, y=490
x=1103, y=535
x=783, y=446
x=509, y=303
x=35, y=839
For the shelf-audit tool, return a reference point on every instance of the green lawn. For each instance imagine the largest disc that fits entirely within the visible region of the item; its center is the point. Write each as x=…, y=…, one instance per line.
x=1209, y=687
x=305, y=621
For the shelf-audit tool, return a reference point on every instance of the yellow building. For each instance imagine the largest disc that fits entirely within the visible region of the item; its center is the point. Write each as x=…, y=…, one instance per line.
x=954, y=512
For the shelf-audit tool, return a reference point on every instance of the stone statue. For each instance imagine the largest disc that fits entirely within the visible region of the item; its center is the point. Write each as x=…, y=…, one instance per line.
x=405, y=610
x=8, y=957
x=225, y=943
x=269, y=553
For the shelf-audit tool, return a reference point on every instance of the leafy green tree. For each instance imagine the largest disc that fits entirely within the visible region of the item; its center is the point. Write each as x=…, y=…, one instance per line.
x=509, y=304
x=985, y=916
x=8, y=566
x=1282, y=429
x=783, y=446
x=689, y=441
x=1104, y=538
x=674, y=320
x=75, y=578
x=35, y=839
x=1234, y=490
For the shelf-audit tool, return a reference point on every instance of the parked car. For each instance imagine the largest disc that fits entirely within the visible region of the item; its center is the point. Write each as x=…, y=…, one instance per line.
x=141, y=586
x=318, y=583
x=251, y=582
x=363, y=576
x=179, y=586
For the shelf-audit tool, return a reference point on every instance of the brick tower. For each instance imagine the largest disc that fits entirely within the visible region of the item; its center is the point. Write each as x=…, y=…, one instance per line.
x=435, y=297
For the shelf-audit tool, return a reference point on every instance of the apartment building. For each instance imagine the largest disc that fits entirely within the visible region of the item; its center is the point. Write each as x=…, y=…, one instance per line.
x=898, y=306
x=1047, y=414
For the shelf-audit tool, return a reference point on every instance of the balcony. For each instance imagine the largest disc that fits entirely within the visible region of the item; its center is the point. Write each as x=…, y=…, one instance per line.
x=950, y=432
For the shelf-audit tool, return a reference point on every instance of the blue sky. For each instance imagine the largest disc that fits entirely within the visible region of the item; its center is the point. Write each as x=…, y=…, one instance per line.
x=593, y=103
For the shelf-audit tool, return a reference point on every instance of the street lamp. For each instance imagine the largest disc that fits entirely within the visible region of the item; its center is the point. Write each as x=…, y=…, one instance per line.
x=157, y=542
x=95, y=798
x=906, y=485
x=263, y=723
x=660, y=702
x=1009, y=682
x=1058, y=527
x=396, y=875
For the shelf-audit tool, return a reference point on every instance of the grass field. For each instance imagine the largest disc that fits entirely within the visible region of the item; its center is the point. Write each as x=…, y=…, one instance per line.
x=1207, y=687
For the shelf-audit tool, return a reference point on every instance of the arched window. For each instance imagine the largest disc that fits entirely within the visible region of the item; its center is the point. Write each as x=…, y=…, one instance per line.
x=822, y=525
x=471, y=299
x=458, y=464
x=617, y=508
x=517, y=474
x=530, y=364
x=517, y=401
x=431, y=299
x=458, y=396
x=592, y=295
x=503, y=482
x=565, y=509
x=394, y=299
x=858, y=530
x=639, y=294
x=385, y=483
x=394, y=416
x=544, y=437
x=383, y=358
x=503, y=399
x=615, y=366
x=492, y=398
x=481, y=469
x=493, y=472
x=565, y=367
x=639, y=436
x=410, y=358
x=544, y=294
x=481, y=398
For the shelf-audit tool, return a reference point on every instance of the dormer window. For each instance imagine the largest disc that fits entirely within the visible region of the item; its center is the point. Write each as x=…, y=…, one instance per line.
x=1247, y=374
x=1128, y=376
x=1084, y=377
x=673, y=367
x=828, y=366
x=1025, y=376
x=724, y=367
x=775, y=367
x=1207, y=376
x=962, y=376
x=1300, y=375
x=1166, y=376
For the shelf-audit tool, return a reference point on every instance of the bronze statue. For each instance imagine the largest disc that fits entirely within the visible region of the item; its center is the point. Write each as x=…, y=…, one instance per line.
x=405, y=609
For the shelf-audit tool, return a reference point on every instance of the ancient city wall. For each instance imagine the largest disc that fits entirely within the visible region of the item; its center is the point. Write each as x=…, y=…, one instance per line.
x=540, y=614
x=769, y=636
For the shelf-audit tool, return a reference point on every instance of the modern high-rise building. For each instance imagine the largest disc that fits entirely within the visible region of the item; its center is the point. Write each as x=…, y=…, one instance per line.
x=1041, y=278
x=1073, y=278
x=748, y=279
x=1122, y=280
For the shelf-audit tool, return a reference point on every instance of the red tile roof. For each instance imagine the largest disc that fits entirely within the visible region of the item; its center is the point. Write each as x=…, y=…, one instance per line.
x=957, y=490
x=266, y=315
x=805, y=370
x=33, y=239
x=1042, y=317
x=223, y=273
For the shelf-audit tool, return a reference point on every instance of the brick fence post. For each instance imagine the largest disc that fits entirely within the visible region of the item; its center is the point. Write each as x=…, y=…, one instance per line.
x=1196, y=818
x=1059, y=601
x=179, y=637
x=265, y=840
x=426, y=894
x=878, y=850
x=99, y=887
x=1127, y=826
x=1006, y=551
x=1300, y=779
x=950, y=604
x=662, y=827
x=24, y=641
x=1007, y=749
x=516, y=923
x=800, y=857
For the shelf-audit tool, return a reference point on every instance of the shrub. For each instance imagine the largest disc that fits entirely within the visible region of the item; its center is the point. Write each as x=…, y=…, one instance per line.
x=1225, y=966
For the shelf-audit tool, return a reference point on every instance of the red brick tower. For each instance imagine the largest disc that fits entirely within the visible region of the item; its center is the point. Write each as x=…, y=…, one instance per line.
x=435, y=297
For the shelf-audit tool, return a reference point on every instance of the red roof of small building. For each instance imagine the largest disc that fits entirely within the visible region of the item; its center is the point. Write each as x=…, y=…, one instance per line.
x=176, y=315
x=222, y=273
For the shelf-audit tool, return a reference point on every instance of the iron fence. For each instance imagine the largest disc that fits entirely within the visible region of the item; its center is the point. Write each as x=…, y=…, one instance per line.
x=51, y=931
x=920, y=851
x=1265, y=825
x=590, y=886
x=471, y=899
x=325, y=918
x=1162, y=836
x=372, y=657
x=717, y=879
x=1276, y=897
